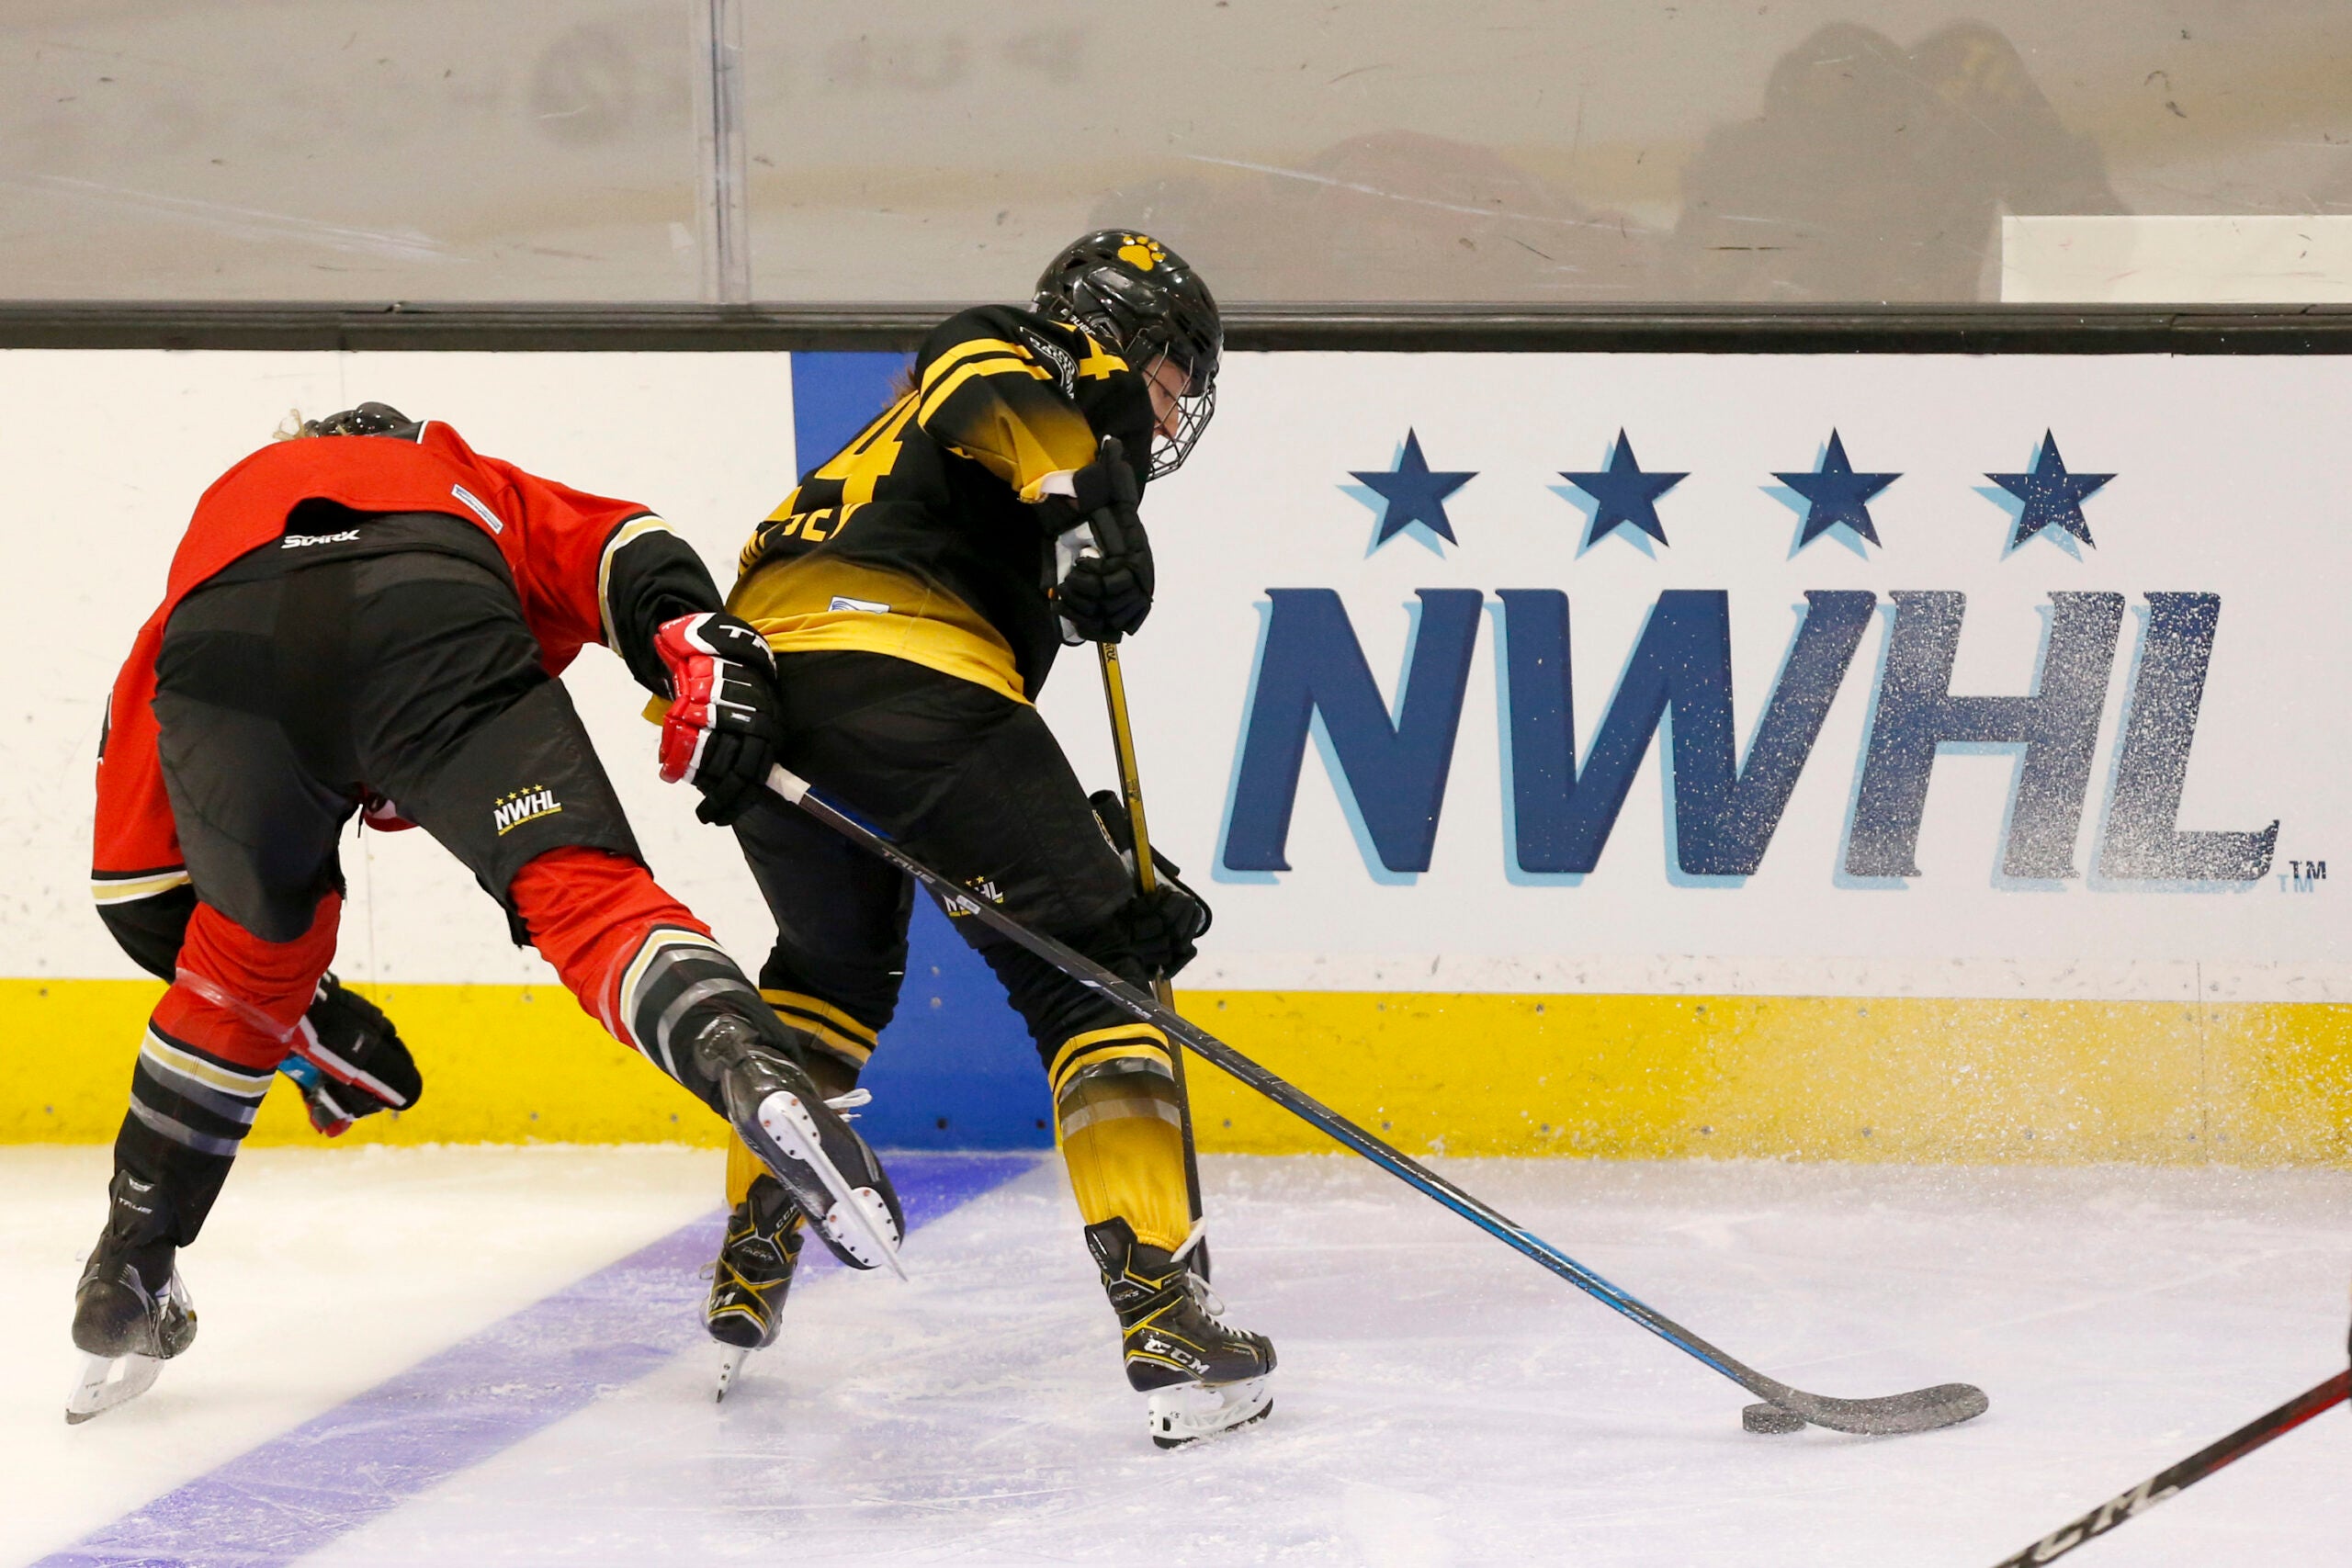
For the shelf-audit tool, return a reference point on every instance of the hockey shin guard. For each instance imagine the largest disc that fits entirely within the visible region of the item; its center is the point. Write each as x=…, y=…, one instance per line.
x=1120, y=1126
x=210, y=1054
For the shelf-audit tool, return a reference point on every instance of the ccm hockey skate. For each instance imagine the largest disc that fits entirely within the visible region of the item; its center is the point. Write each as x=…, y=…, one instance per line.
x=131, y=1314
x=801, y=1138
x=753, y=1275
x=1202, y=1377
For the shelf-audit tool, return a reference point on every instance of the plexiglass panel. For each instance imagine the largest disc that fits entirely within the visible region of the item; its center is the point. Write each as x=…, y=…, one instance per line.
x=330, y=150
x=1555, y=151
x=1563, y=151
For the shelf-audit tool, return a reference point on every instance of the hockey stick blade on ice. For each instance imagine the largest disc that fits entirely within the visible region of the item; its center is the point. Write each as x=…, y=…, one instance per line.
x=2186, y=1474
x=1921, y=1410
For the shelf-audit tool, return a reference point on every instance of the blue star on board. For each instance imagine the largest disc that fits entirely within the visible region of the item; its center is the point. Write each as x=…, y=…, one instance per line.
x=2054, y=498
x=1836, y=494
x=1626, y=494
x=1413, y=493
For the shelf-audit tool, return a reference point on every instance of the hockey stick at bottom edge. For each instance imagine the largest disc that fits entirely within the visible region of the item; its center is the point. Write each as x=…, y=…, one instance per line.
x=1920, y=1410
x=2186, y=1474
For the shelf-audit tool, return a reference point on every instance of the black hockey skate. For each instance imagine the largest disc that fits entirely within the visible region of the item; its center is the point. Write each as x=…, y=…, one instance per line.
x=132, y=1311
x=1202, y=1377
x=753, y=1275
x=823, y=1164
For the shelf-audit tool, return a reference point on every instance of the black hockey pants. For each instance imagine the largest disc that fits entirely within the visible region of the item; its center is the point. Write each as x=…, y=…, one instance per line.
x=972, y=785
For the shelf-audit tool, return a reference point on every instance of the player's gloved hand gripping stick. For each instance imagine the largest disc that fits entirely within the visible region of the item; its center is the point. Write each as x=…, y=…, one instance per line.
x=720, y=731
x=1106, y=591
x=1920, y=1410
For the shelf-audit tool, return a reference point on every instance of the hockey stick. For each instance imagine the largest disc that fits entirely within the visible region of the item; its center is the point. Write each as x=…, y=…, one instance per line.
x=2186, y=1474
x=1919, y=1411
x=1122, y=742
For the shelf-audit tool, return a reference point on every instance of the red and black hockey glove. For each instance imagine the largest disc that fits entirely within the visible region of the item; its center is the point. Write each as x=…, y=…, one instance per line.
x=348, y=1061
x=1107, y=592
x=722, y=730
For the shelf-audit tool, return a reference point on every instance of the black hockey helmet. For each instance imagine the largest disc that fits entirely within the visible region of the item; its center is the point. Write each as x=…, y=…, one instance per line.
x=1144, y=302
x=367, y=419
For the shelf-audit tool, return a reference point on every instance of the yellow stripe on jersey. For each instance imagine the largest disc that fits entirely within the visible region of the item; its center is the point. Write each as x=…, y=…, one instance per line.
x=937, y=391
x=819, y=604
x=1100, y=363
x=996, y=347
x=129, y=889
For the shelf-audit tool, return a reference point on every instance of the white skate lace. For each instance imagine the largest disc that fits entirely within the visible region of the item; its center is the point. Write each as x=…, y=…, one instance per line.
x=1208, y=1301
x=845, y=1103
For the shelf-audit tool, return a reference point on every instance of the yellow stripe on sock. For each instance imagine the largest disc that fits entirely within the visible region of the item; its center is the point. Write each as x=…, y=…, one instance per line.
x=1123, y=1040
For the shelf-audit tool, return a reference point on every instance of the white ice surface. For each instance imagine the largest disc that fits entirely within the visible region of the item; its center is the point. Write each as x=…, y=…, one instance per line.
x=320, y=1273
x=1441, y=1400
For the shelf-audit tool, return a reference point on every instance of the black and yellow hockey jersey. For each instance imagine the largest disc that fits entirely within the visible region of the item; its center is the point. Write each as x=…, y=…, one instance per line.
x=930, y=538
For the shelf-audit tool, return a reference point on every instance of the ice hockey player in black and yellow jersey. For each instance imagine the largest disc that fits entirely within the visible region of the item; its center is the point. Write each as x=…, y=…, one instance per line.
x=916, y=587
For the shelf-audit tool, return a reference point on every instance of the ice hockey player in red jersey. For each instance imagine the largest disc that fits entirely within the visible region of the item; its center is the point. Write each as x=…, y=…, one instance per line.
x=373, y=617
x=915, y=588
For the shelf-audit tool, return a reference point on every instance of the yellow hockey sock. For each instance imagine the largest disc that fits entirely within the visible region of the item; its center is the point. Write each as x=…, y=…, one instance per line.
x=744, y=1167
x=1120, y=1128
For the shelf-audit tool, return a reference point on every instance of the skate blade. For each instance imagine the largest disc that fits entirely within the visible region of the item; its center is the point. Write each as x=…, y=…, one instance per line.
x=106, y=1381
x=1189, y=1412
x=730, y=1365
x=856, y=1226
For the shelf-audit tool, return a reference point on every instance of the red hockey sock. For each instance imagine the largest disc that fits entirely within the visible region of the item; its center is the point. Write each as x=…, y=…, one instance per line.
x=239, y=998
x=589, y=913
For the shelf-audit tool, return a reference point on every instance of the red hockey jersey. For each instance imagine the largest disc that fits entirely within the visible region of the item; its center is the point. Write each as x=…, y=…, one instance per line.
x=559, y=543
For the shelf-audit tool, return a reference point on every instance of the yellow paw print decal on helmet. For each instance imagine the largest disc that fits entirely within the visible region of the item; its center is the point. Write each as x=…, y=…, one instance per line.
x=1141, y=251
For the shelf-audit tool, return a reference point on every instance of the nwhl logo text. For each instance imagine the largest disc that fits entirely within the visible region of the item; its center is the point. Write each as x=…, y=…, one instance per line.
x=525, y=805
x=1560, y=813
x=1390, y=766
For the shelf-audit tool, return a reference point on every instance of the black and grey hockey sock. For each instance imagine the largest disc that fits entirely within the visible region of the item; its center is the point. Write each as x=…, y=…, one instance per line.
x=672, y=989
x=189, y=1113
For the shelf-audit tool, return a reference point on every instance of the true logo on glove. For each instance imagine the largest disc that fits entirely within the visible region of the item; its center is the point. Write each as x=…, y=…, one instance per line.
x=525, y=805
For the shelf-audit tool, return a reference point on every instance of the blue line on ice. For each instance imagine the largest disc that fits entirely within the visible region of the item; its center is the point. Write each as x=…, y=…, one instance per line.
x=363, y=1458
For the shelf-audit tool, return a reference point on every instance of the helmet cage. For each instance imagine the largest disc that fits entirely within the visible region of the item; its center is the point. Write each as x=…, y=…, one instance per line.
x=1195, y=406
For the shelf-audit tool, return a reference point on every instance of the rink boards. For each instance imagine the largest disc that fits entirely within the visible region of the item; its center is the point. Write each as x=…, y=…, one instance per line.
x=1550, y=802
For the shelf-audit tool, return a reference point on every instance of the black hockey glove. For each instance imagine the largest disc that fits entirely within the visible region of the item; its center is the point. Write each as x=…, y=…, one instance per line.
x=348, y=1061
x=1106, y=594
x=723, y=728
x=1164, y=925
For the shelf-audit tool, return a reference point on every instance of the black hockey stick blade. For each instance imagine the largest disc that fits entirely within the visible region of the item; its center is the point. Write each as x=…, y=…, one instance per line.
x=2186, y=1474
x=1919, y=1410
